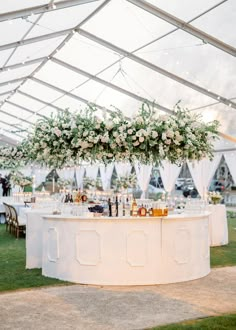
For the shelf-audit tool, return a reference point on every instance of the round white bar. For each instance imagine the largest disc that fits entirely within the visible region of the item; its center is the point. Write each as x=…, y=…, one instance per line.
x=126, y=251
x=218, y=226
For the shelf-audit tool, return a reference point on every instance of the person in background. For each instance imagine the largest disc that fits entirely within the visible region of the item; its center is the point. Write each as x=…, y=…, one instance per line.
x=5, y=186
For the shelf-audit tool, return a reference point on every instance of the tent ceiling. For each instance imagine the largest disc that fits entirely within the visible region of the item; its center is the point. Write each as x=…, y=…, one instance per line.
x=64, y=54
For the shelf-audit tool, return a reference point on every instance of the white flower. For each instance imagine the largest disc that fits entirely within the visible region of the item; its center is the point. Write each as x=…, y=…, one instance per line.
x=170, y=134
x=109, y=125
x=130, y=131
x=118, y=140
x=154, y=134
x=136, y=143
x=85, y=134
x=57, y=131
x=139, y=120
x=163, y=136
x=141, y=139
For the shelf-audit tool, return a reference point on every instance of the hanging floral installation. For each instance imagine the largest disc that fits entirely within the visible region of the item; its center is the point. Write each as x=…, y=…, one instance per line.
x=67, y=139
x=13, y=157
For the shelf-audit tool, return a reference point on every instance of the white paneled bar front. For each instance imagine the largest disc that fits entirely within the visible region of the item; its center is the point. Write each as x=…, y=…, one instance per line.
x=126, y=251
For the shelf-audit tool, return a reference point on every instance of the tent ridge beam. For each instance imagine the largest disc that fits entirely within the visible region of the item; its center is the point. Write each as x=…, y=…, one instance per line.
x=19, y=65
x=184, y=26
x=156, y=68
x=36, y=39
x=8, y=82
x=42, y=9
x=110, y=85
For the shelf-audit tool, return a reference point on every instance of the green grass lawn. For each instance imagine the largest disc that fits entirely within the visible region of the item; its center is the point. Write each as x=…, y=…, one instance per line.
x=226, y=255
x=13, y=274
x=225, y=322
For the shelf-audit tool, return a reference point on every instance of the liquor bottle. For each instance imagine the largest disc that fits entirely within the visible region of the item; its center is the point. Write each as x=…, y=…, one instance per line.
x=71, y=198
x=150, y=212
x=109, y=208
x=134, y=208
x=84, y=198
x=123, y=209
x=66, y=198
x=142, y=212
x=116, y=206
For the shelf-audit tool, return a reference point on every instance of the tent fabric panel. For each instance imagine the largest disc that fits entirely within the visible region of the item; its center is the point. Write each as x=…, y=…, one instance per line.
x=131, y=27
x=57, y=20
x=84, y=53
x=59, y=76
x=35, y=50
x=17, y=73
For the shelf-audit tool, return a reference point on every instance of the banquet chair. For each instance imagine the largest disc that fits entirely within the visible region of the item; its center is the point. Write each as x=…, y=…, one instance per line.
x=18, y=223
x=8, y=217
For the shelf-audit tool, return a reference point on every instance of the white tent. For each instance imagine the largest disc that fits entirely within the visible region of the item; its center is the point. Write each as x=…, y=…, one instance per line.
x=68, y=53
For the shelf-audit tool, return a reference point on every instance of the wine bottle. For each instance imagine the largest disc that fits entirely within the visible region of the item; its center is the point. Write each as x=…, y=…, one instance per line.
x=117, y=205
x=109, y=208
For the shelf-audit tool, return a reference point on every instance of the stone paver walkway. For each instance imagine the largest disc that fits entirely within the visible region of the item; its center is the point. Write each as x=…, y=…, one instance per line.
x=118, y=308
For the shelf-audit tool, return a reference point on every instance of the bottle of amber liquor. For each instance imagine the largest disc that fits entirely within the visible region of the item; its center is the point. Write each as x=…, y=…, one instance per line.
x=134, y=208
x=142, y=212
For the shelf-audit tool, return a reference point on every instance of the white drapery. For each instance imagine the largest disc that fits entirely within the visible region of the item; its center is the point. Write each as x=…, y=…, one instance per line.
x=123, y=169
x=202, y=173
x=26, y=171
x=92, y=171
x=79, y=172
x=143, y=173
x=106, y=174
x=169, y=174
x=230, y=159
x=67, y=173
x=40, y=175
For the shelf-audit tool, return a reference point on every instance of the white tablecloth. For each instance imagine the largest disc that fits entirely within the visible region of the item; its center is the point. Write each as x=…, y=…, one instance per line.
x=218, y=226
x=34, y=225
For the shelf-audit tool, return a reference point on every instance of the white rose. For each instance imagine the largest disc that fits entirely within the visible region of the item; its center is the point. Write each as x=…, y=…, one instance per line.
x=109, y=125
x=136, y=143
x=163, y=136
x=170, y=134
x=139, y=120
x=154, y=134
x=141, y=139
x=130, y=131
